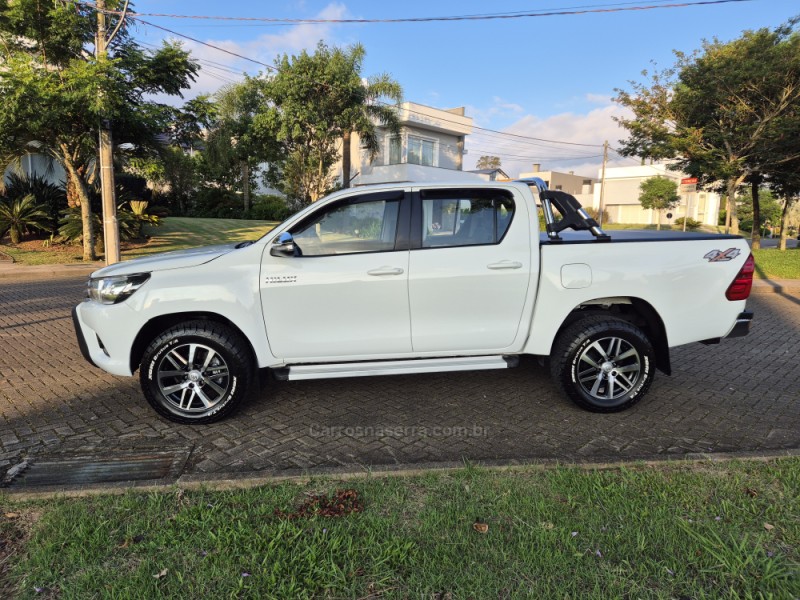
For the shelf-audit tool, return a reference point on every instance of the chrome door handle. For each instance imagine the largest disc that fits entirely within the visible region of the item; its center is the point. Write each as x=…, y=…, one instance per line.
x=386, y=271
x=505, y=264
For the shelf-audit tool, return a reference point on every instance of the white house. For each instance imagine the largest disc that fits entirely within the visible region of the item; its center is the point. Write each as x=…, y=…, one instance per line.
x=429, y=147
x=621, y=198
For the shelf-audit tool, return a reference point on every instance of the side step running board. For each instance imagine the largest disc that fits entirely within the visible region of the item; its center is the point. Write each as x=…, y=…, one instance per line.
x=396, y=367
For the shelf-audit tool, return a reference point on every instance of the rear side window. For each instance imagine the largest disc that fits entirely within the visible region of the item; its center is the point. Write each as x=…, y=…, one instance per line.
x=465, y=217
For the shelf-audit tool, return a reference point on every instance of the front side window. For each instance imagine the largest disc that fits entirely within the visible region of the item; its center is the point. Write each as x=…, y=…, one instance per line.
x=356, y=226
x=465, y=218
x=421, y=151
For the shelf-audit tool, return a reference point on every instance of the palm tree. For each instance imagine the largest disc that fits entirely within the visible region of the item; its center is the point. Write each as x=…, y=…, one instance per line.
x=364, y=106
x=18, y=216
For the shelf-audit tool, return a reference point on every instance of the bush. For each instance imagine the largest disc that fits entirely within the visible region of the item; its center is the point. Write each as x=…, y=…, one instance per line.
x=595, y=214
x=50, y=198
x=21, y=215
x=691, y=224
x=269, y=208
x=216, y=203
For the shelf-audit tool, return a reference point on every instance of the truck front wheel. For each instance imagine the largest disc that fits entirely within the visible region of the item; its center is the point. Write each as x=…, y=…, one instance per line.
x=196, y=372
x=603, y=364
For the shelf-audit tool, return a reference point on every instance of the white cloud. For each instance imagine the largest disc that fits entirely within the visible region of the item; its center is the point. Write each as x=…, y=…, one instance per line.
x=499, y=108
x=518, y=155
x=598, y=98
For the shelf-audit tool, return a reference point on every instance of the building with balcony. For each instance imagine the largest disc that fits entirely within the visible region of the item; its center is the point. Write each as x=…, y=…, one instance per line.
x=429, y=147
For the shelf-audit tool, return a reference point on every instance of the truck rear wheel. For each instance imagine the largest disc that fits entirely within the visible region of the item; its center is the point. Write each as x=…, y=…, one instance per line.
x=603, y=364
x=196, y=372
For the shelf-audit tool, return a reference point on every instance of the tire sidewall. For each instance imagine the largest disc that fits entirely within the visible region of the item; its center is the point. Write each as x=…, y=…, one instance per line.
x=646, y=355
x=155, y=354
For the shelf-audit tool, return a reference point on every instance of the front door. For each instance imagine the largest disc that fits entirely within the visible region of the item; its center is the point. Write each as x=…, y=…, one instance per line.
x=344, y=295
x=469, y=269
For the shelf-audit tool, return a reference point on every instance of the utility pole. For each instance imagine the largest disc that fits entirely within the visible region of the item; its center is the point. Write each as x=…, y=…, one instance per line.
x=106, y=147
x=603, y=185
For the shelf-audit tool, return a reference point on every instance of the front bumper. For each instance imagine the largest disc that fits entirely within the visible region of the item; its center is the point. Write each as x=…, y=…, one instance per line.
x=81, y=338
x=742, y=326
x=105, y=335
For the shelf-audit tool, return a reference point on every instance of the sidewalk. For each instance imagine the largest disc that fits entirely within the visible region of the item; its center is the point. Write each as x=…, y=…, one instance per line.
x=790, y=287
x=9, y=270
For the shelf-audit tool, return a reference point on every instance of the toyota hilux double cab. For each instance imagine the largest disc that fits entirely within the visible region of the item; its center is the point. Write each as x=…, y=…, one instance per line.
x=416, y=278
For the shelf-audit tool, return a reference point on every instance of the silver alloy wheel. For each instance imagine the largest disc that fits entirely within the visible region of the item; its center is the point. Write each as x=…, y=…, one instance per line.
x=609, y=368
x=193, y=378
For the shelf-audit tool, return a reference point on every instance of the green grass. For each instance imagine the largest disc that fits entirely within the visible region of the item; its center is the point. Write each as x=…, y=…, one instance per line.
x=179, y=233
x=176, y=233
x=771, y=263
x=643, y=532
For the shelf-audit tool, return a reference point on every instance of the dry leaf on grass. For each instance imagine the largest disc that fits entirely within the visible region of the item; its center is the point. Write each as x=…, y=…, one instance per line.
x=160, y=574
x=480, y=527
x=769, y=527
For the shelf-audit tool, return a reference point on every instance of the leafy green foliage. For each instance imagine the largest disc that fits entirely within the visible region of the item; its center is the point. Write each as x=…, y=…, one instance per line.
x=658, y=193
x=269, y=208
x=314, y=101
x=691, y=223
x=19, y=216
x=726, y=113
x=50, y=197
x=770, y=209
x=54, y=91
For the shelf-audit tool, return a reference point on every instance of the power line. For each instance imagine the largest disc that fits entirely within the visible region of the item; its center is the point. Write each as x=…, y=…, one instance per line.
x=525, y=139
x=275, y=69
x=451, y=18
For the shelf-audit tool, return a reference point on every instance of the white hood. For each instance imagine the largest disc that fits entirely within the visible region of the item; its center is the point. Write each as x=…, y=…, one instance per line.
x=167, y=260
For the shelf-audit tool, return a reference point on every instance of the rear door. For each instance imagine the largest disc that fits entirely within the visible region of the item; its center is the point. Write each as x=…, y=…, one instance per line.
x=469, y=269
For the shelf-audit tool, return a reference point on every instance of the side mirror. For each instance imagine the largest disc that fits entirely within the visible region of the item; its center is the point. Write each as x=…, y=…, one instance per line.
x=283, y=246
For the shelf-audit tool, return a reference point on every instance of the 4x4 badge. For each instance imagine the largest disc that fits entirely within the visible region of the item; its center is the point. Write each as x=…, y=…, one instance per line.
x=722, y=255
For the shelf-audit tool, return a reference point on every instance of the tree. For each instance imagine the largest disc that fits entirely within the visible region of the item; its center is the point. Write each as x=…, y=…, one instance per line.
x=659, y=193
x=770, y=210
x=488, y=162
x=717, y=111
x=54, y=92
x=362, y=105
x=312, y=102
x=233, y=148
x=173, y=168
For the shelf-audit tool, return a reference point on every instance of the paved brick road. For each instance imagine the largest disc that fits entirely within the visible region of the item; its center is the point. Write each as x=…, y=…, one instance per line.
x=740, y=395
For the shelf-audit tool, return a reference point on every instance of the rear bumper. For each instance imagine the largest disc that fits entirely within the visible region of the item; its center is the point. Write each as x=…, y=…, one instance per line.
x=742, y=326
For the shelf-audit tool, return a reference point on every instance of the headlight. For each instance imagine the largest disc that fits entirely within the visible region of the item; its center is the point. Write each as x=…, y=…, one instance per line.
x=111, y=290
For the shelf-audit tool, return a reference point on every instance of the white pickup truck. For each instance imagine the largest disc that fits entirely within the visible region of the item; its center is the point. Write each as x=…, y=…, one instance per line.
x=407, y=278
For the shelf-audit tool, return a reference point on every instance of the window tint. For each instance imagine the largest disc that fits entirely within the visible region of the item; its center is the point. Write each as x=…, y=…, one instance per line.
x=357, y=226
x=465, y=218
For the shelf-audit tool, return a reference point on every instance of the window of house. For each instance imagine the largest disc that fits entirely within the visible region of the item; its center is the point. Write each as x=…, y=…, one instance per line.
x=465, y=217
x=395, y=150
x=421, y=151
x=358, y=225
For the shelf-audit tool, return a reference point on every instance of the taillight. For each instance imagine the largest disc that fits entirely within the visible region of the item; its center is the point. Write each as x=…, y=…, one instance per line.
x=739, y=289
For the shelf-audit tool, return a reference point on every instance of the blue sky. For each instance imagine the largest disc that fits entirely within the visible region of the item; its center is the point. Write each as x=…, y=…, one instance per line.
x=547, y=77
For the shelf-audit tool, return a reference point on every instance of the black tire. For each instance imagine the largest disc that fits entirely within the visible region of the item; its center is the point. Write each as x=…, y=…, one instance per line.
x=604, y=364
x=196, y=372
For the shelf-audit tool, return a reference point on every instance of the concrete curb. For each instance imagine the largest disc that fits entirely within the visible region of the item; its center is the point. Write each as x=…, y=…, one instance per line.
x=16, y=271
x=250, y=479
